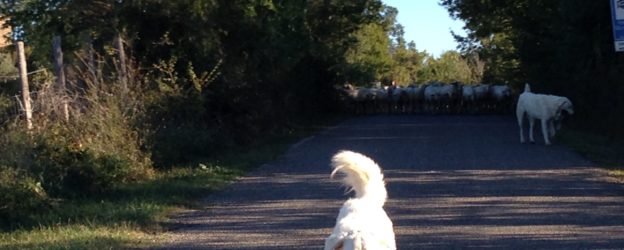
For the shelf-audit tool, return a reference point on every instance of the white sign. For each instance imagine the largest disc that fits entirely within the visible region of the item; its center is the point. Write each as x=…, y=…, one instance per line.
x=617, y=17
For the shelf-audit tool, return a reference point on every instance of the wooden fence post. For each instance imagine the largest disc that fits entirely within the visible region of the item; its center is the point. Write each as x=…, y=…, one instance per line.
x=123, y=72
x=91, y=65
x=23, y=73
x=60, y=74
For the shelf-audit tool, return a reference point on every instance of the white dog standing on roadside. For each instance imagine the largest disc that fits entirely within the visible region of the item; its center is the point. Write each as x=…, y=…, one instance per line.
x=547, y=108
x=362, y=222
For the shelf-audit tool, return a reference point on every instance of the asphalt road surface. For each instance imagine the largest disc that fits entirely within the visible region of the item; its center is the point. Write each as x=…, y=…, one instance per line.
x=453, y=182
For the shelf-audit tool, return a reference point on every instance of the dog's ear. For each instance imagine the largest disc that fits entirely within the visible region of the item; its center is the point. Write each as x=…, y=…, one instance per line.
x=566, y=105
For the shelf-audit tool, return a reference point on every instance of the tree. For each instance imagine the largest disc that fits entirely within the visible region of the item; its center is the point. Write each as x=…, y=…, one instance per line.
x=368, y=60
x=450, y=67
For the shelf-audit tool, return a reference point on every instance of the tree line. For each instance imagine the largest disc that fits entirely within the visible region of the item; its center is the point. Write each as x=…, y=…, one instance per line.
x=242, y=68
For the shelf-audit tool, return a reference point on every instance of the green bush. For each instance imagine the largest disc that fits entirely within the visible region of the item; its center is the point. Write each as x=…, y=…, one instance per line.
x=6, y=107
x=96, y=150
x=20, y=197
x=68, y=172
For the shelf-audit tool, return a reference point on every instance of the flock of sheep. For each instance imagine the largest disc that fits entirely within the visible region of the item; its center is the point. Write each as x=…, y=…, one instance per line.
x=431, y=98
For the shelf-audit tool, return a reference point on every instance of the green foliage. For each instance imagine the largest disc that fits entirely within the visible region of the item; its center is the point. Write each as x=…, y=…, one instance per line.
x=368, y=60
x=63, y=167
x=449, y=67
x=380, y=53
x=67, y=172
x=21, y=197
x=90, y=156
x=129, y=216
x=6, y=107
x=7, y=65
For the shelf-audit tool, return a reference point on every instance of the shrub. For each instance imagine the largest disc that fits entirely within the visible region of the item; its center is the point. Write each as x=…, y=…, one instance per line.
x=66, y=172
x=97, y=149
x=20, y=197
x=6, y=107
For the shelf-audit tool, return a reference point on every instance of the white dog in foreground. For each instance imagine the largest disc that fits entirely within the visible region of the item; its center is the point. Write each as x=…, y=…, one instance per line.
x=362, y=222
x=547, y=108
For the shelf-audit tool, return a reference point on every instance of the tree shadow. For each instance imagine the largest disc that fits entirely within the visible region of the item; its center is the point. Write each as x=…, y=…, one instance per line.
x=453, y=182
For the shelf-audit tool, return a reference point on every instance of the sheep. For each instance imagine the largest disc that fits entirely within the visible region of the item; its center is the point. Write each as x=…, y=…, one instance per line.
x=435, y=97
x=482, y=93
x=468, y=98
x=441, y=96
x=500, y=92
x=399, y=98
x=501, y=97
x=380, y=99
x=415, y=95
x=361, y=100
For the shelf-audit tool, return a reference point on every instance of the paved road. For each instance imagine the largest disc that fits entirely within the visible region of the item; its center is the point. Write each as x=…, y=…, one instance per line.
x=453, y=182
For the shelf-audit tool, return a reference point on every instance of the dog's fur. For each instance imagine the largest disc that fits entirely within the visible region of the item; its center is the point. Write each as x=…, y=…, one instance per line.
x=547, y=108
x=362, y=222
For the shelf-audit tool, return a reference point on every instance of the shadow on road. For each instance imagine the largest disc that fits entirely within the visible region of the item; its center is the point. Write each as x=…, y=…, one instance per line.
x=453, y=182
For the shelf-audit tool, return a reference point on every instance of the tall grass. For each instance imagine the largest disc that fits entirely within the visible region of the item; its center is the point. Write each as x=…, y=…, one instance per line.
x=605, y=151
x=600, y=149
x=76, y=237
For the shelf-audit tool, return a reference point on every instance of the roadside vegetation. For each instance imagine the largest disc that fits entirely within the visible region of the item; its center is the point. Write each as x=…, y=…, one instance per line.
x=210, y=89
x=130, y=215
x=604, y=151
x=88, y=185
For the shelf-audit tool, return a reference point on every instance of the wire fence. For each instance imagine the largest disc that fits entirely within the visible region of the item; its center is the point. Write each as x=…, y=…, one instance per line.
x=5, y=79
x=13, y=106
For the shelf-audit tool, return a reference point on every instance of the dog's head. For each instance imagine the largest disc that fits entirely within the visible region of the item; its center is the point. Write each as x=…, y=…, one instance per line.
x=566, y=105
x=564, y=108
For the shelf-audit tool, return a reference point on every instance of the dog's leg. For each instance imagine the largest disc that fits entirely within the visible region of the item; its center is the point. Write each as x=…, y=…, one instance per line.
x=551, y=127
x=333, y=242
x=520, y=116
x=531, y=125
x=545, y=131
x=353, y=243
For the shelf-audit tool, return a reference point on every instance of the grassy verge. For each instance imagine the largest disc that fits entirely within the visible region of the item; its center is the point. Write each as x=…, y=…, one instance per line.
x=128, y=217
x=132, y=215
x=599, y=149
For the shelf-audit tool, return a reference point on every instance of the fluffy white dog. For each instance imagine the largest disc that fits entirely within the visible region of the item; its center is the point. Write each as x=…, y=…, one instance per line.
x=547, y=108
x=362, y=222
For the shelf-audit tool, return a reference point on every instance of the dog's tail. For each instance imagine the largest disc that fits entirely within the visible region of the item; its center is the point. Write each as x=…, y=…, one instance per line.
x=527, y=88
x=362, y=175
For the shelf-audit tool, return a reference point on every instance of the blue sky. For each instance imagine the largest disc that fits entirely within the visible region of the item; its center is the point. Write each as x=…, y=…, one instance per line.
x=427, y=24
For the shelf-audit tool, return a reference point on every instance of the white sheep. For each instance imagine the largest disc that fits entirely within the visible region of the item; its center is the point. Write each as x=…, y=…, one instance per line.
x=468, y=98
x=440, y=96
x=501, y=97
x=415, y=95
x=482, y=93
x=399, y=99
